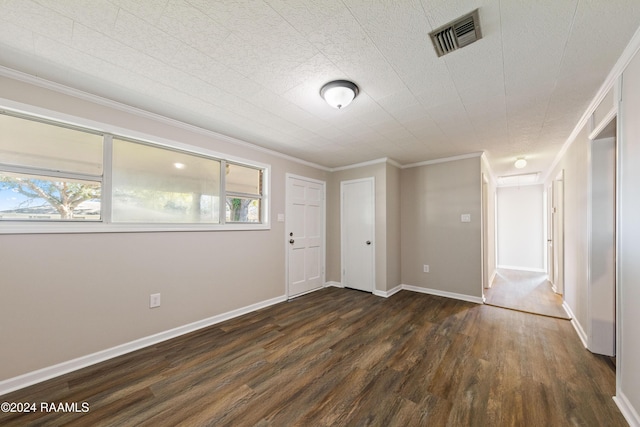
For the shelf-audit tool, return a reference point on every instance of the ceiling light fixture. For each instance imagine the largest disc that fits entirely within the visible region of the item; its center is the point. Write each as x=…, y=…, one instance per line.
x=339, y=93
x=520, y=163
x=178, y=165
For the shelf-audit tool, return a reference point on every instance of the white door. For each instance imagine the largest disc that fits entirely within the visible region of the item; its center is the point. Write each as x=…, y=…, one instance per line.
x=558, y=234
x=550, y=228
x=357, y=229
x=304, y=235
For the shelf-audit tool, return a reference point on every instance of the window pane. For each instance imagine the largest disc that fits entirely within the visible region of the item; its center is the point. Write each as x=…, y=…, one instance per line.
x=242, y=179
x=152, y=184
x=243, y=209
x=41, y=145
x=28, y=197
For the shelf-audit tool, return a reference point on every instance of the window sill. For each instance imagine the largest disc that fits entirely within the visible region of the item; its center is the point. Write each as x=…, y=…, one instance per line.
x=70, y=228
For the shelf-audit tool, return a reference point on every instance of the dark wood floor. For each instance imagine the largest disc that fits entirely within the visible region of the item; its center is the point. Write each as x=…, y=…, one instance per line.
x=527, y=291
x=340, y=357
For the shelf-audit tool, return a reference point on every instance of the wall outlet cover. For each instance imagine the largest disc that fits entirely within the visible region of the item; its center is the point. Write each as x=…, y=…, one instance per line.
x=154, y=300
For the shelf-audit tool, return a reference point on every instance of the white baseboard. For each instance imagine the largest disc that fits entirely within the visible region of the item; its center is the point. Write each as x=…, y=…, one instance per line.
x=628, y=411
x=30, y=378
x=576, y=325
x=387, y=294
x=334, y=284
x=463, y=297
x=513, y=267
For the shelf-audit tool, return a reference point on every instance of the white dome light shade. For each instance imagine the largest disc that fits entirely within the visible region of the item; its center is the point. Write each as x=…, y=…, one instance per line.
x=339, y=93
x=520, y=163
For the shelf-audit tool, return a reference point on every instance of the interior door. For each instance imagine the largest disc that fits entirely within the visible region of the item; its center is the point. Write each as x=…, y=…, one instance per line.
x=550, y=228
x=357, y=231
x=558, y=234
x=304, y=235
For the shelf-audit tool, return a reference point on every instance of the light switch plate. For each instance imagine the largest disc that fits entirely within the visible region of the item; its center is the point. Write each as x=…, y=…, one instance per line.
x=465, y=218
x=280, y=217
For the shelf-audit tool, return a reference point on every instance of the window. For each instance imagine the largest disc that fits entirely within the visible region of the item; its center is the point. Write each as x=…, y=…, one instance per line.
x=54, y=173
x=49, y=172
x=157, y=185
x=243, y=194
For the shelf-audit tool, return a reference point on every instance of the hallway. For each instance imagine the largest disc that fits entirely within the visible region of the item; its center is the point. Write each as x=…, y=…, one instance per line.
x=525, y=291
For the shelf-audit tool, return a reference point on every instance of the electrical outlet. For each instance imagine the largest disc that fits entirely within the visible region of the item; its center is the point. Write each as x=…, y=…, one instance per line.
x=425, y=268
x=154, y=300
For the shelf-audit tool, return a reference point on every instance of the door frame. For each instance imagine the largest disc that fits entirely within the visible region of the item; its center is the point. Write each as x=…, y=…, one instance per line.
x=372, y=180
x=558, y=233
x=287, y=224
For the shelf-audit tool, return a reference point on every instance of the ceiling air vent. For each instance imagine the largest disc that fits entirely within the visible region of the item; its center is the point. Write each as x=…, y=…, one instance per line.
x=457, y=34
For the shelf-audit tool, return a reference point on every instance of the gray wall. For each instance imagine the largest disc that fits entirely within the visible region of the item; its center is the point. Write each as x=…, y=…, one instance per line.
x=70, y=295
x=432, y=199
x=387, y=226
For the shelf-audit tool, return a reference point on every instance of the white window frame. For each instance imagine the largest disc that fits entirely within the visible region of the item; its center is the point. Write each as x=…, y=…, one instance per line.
x=105, y=225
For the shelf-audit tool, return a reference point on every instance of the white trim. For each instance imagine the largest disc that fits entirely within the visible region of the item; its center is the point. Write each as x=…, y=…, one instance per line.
x=609, y=82
x=372, y=180
x=485, y=161
x=513, y=267
x=287, y=218
x=94, y=227
x=576, y=325
x=103, y=226
x=368, y=163
x=437, y=292
x=444, y=160
x=30, y=378
x=333, y=284
x=66, y=90
x=604, y=123
x=99, y=100
x=289, y=298
x=394, y=163
x=628, y=411
x=387, y=294
x=620, y=151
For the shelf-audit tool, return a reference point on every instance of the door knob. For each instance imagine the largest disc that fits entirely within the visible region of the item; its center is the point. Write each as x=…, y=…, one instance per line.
x=291, y=241
x=368, y=242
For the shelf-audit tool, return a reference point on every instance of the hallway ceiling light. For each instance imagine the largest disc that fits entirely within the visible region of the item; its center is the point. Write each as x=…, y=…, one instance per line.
x=520, y=163
x=339, y=93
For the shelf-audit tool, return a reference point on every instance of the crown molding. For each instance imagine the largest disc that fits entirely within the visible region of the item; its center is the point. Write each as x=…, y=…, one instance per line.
x=627, y=55
x=105, y=102
x=99, y=100
x=487, y=165
x=444, y=160
x=367, y=163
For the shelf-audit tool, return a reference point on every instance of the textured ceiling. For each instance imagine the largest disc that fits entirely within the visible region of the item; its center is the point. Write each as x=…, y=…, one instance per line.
x=252, y=69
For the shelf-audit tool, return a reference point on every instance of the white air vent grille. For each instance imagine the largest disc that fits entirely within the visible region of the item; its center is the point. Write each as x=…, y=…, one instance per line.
x=457, y=34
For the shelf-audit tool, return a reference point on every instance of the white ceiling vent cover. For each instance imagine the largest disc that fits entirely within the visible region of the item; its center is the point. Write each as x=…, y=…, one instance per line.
x=457, y=34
